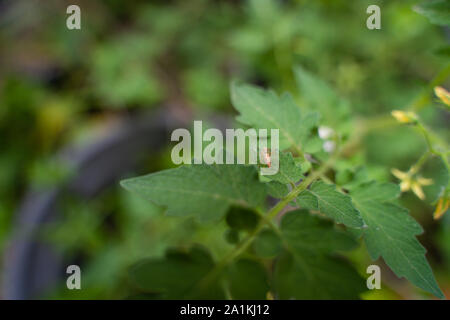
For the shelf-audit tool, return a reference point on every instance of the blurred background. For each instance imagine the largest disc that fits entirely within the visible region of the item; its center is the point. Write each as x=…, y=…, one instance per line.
x=82, y=109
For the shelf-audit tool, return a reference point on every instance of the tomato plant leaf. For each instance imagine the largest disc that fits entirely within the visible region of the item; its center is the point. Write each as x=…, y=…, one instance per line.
x=307, y=269
x=326, y=199
x=436, y=170
x=276, y=189
x=204, y=191
x=289, y=171
x=176, y=275
x=264, y=109
x=267, y=244
x=247, y=280
x=318, y=95
x=241, y=218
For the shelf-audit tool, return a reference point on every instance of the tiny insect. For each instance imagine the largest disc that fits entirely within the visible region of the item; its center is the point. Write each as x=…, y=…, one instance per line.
x=266, y=157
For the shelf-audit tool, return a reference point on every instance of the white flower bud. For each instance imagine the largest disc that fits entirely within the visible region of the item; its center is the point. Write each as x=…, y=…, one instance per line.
x=325, y=132
x=329, y=146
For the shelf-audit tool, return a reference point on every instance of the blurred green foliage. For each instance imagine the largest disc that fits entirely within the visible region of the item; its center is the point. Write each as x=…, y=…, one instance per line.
x=59, y=86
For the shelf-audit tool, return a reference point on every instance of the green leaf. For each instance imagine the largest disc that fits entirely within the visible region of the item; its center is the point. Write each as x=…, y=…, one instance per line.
x=313, y=145
x=308, y=270
x=391, y=232
x=276, y=189
x=305, y=165
x=437, y=11
x=443, y=51
x=241, y=218
x=267, y=244
x=263, y=109
x=232, y=236
x=436, y=170
x=318, y=95
x=336, y=205
x=204, y=191
x=176, y=275
x=289, y=171
x=351, y=179
x=247, y=280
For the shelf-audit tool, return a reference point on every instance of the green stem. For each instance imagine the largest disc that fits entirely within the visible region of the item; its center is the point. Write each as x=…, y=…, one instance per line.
x=427, y=137
x=416, y=167
x=268, y=222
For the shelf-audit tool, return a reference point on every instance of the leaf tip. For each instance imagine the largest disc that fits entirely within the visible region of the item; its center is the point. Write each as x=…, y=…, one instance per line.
x=126, y=184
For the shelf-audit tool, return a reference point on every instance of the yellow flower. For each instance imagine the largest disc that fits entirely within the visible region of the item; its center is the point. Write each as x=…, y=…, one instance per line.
x=408, y=182
x=399, y=174
x=441, y=207
x=424, y=181
x=442, y=94
x=417, y=189
x=404, y=116
x=405, y=185
x=405, y=179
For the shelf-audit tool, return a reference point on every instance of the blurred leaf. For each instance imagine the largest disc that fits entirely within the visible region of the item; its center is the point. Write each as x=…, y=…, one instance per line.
x=176, y=275
x=436, y=170
x=250, y=40
x=121, y=74
x=206, y=87
x=232, y=236
x=53, y=116
x=404, y=147
x=437, y=11
x=276, y=189
x=308, y=270
x=443, y=51
x=313, y=145
x=351, y=179
x=49, y=173
x=247, y=280
x=241, y=218
x=205, y=191
x=319, y=96
x=267, y=244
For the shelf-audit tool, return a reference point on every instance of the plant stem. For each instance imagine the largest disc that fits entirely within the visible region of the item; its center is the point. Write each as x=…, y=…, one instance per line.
x=427, y=137
x=416, y=167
